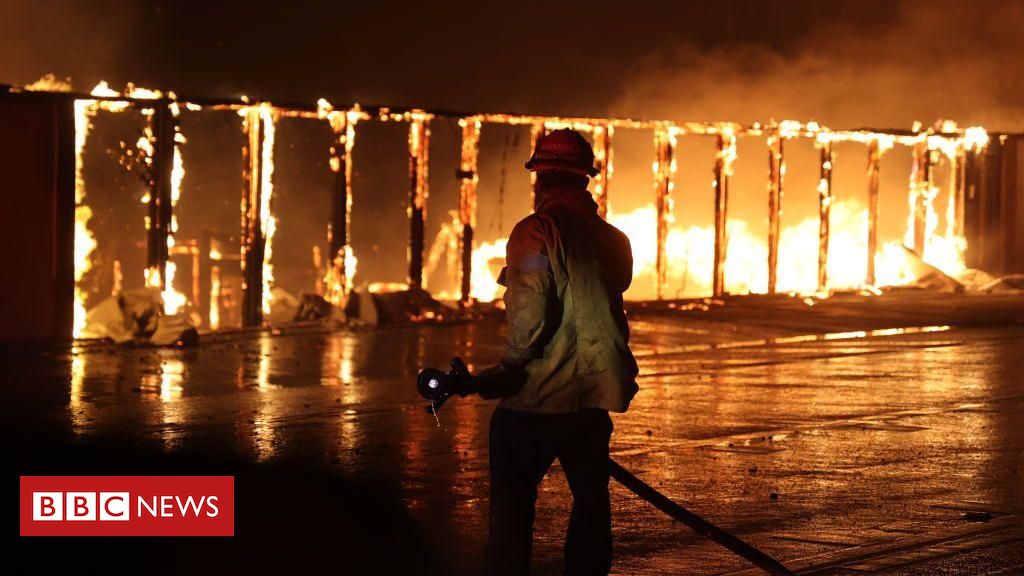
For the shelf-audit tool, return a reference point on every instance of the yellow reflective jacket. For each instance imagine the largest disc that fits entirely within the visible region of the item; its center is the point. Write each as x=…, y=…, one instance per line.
x=566, y=269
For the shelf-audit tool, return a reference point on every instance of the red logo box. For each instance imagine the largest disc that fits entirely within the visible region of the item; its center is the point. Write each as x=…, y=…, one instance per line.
x=127, y=505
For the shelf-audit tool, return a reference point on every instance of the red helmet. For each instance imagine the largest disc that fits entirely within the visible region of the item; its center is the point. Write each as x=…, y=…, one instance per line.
x=564, y=149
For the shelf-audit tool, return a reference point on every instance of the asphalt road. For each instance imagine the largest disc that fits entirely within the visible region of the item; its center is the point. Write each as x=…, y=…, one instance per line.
x=894, y=452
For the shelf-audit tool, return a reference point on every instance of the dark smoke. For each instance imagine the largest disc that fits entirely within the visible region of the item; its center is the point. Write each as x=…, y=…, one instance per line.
x=934, y=59
x=84, y=40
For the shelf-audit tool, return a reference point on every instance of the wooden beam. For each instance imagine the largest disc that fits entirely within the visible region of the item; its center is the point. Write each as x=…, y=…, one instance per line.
x=419, y=154
x=664, y=168
x=920, y=184
x=824, y=211
x=468, y=179
x=252, y=240
x=723, y=172
x=339, y=276
x=957, y=191
x=776, y=172
x=163, y=126
x=874, y=163
x=603, y=160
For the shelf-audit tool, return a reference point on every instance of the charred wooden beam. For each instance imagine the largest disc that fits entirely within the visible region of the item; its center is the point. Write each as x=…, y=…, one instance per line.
x=339, y=276
x=664, y=168
x=955, y=225
x=824, y=211
x=205, y=265
x=467, y=201
x=252, y=239
x=920, y=178
x=163, y=125
x=603, y=160
x=930, y=219
x=874, y=163
x=313, y=111
x=776, y=176
x=723, y=172
x=419, y=147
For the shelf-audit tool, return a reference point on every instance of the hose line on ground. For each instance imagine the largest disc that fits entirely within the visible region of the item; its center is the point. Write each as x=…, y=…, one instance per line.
x=695, y=522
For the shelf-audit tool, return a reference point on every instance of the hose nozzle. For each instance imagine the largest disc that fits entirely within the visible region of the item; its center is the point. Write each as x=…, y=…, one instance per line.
x=438, y=386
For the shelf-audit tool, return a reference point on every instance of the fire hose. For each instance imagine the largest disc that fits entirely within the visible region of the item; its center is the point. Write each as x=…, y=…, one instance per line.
x=437, y=386
x=696, y=523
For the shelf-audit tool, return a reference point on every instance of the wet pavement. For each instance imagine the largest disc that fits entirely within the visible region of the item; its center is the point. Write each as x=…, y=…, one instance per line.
x=894, y=451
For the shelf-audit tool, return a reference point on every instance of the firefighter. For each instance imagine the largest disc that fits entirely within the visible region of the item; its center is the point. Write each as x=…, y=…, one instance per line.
x=566, y=363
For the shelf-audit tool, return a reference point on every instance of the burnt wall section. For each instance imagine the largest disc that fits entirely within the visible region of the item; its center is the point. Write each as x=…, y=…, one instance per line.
x=37, y=217
x=993, y=207
x=1012, y=221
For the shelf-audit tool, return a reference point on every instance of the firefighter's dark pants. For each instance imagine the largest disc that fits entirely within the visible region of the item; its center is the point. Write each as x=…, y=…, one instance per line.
x=523, y=445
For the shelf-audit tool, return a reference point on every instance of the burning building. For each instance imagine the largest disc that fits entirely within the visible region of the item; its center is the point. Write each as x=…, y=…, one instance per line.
x=214, y=259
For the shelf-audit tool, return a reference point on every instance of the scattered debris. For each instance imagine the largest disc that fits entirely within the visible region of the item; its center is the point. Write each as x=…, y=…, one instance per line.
x=1009, y=284
x=283, y=306
x=374, y=307
x=974, y=280
x=929, y=277
x=137, y=316
x=313, y=307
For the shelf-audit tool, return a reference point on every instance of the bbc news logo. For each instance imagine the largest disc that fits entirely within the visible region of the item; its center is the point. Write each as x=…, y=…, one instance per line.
x=127, y=505
x=116, y=506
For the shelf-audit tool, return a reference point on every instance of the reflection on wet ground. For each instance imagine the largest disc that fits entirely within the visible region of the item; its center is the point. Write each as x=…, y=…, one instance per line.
x=815, y=449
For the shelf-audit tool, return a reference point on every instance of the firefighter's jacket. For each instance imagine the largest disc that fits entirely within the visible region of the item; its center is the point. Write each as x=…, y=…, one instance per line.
x=566, y=269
